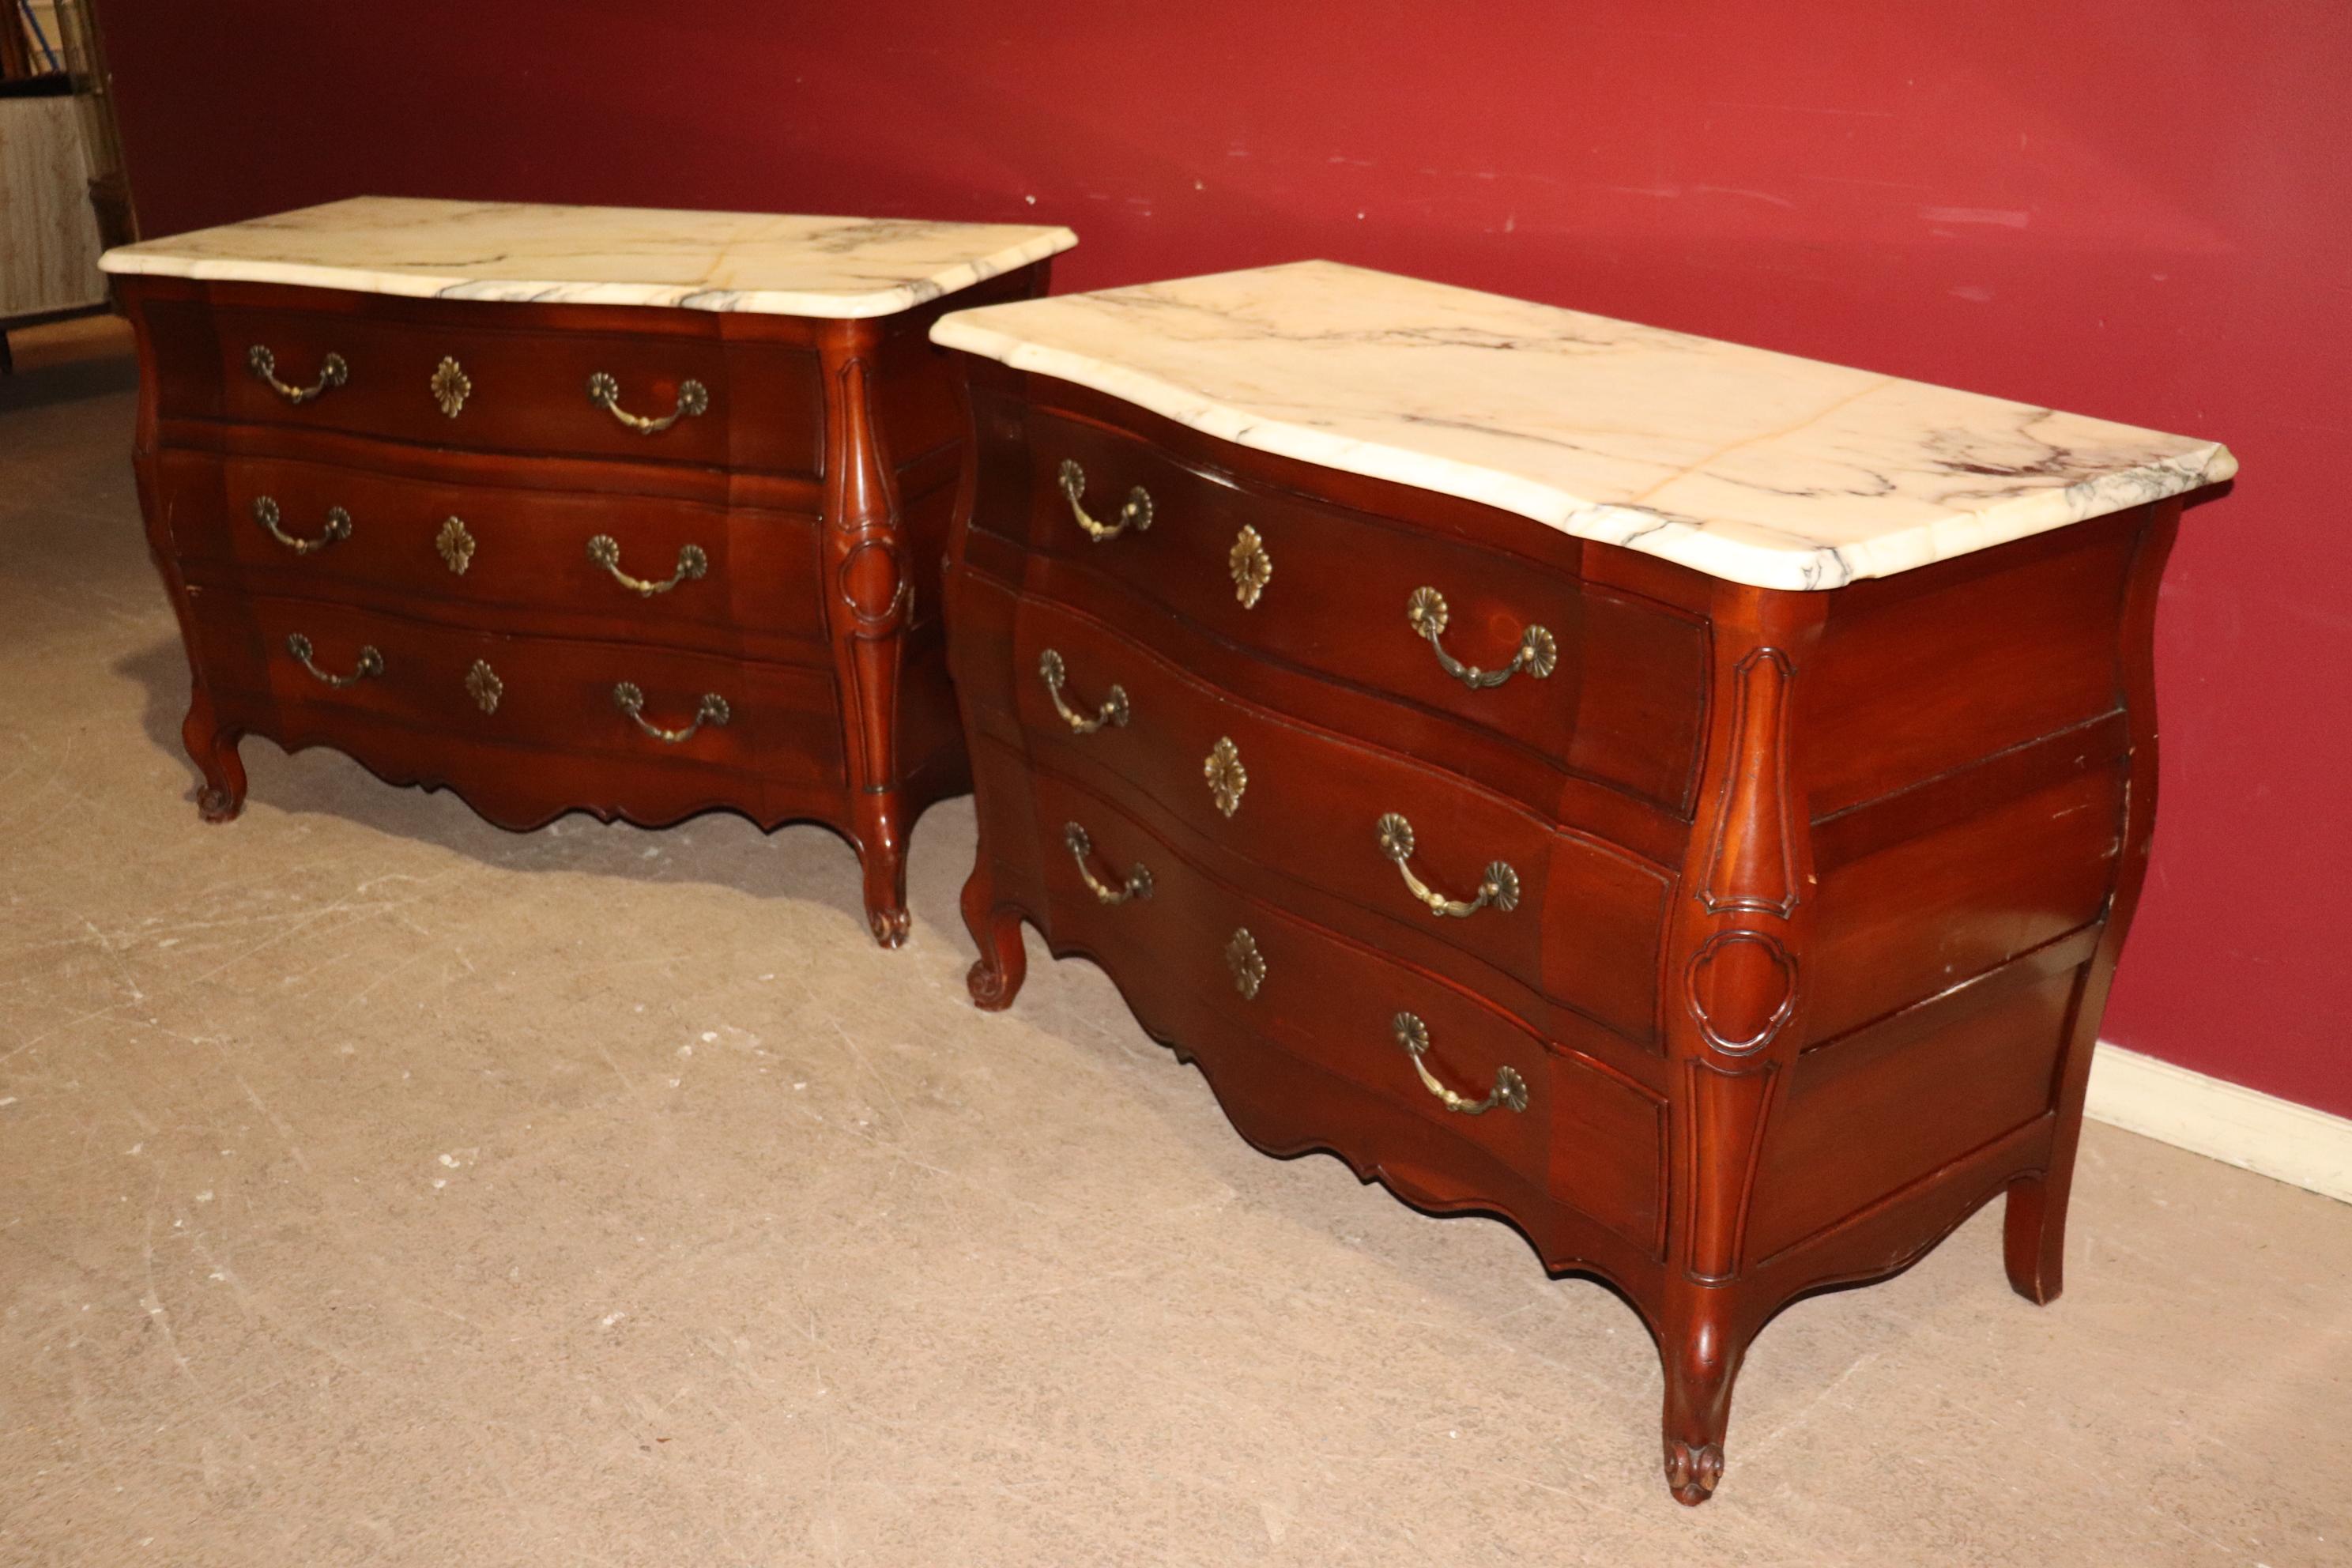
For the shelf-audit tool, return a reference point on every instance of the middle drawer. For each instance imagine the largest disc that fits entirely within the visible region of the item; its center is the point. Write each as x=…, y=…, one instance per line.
x=641, y=567
x=1388, y=834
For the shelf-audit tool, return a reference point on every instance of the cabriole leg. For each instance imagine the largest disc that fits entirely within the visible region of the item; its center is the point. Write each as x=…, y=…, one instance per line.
x=1003, y=963
x=1701, y=1354
x=882, y=855
x=214, y=750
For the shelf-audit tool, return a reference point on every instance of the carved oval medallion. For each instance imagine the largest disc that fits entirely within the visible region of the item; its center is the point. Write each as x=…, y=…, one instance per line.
x=870, y=581
x=1743, y=988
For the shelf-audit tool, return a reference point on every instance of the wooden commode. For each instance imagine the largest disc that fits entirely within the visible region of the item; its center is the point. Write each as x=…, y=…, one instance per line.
x=636, y=513
x=1685, y=799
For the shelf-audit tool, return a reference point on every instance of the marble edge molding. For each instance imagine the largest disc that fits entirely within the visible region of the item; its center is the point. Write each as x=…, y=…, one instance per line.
x=142, y=260
x=1734, y=551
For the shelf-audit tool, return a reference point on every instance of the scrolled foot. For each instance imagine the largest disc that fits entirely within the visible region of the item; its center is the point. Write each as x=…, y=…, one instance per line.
x=991, y=988
x=1003, y=963
x=889, y=926
x=1691, y=1472
x=213, y=749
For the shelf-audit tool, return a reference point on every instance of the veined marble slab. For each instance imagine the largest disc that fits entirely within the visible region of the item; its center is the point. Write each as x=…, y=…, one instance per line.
x=772, y=265
x=1747, y=465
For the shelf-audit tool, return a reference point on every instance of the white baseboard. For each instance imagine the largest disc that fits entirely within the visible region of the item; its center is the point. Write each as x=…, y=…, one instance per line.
x=2236, y=1125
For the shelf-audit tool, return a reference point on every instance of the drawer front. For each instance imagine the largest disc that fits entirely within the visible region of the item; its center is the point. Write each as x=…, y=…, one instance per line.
x=449, y=375
x=642, y=566
x=1500, y=1112
x=1568, y=916
x=305, y=664
x=1604, y=684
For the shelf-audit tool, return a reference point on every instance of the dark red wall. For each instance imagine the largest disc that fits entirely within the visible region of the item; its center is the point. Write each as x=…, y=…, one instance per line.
x=2137, y=210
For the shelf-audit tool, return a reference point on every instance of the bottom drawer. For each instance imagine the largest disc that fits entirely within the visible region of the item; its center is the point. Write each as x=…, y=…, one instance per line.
x=523, y=727
x=1500, y=1118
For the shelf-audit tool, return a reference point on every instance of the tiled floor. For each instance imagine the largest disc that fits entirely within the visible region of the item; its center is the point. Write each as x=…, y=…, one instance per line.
x=376, y=1186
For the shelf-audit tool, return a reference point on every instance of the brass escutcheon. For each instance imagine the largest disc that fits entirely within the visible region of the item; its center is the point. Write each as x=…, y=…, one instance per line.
x=1227, y=778
x=455, y=545
x=1248, y=964
x=451, y=386
x=483, y=685
x=1250, y=566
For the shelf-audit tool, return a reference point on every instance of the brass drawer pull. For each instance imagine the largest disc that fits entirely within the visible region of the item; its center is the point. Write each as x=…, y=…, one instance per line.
x=332, y=373
x=370, y=662
x=1510, y=1090
x=1500, y=888
x=692, y=564
x=1538, y=655
x=338, y=529
x=1113, y=710
x=1136, y=514
x=1139, y=880
x=693, y=399
x=711, y=710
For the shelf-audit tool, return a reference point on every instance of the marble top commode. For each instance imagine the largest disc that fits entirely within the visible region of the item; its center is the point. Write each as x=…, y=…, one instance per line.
x=837, y=267
x=1755, y=467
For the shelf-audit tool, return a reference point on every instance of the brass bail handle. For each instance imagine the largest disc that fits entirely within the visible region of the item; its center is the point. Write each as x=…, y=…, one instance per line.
x=332, y=373
x=1138, y=884
x=1510, y=1090
x=1113, y=710
x=1135, y=515
x=712, y=710
x=692, y=565
x=1499, y=889
x=338, y=528
x=370, y=662
x=1538, y=653
x=693, y=400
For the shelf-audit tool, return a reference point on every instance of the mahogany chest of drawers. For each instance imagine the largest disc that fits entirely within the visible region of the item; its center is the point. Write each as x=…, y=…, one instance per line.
x=1684, y=800
x=632, y=513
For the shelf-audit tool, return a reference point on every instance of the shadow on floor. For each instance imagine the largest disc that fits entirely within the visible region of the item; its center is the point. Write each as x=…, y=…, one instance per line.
x=68, y=383
x=67, y=362
x=726, y=851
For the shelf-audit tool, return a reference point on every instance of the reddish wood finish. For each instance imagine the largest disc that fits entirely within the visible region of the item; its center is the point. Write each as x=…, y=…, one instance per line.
x=817, y=486
x=1820, y=893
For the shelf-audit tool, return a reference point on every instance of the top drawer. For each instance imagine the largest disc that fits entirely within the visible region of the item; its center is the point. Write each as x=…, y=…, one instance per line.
x=476, y=375
x=1609, y=686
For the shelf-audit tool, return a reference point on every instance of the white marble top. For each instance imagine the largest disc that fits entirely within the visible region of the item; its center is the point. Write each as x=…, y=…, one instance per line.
x=777, y=266
x=1744, y=464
